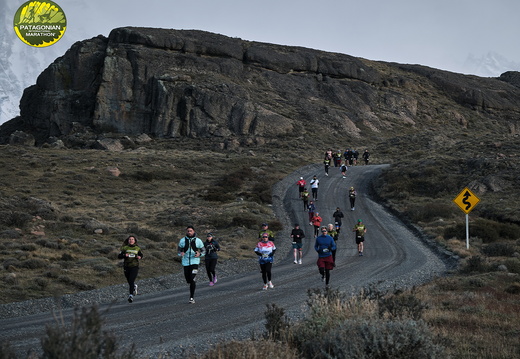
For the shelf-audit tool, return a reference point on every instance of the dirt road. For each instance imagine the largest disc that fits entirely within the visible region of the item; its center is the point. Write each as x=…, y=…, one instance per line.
x=164, y=324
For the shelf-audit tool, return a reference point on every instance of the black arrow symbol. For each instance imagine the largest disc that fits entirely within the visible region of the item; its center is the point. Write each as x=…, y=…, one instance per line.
x=465, y=200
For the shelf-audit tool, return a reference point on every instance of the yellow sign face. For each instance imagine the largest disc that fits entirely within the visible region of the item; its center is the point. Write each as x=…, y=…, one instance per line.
x=466, y=200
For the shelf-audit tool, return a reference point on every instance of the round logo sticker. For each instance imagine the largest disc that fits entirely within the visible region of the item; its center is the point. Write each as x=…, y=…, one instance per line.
x=40, y=23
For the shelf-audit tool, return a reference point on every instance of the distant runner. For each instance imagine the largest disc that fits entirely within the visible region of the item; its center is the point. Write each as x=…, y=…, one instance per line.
x=360, y=230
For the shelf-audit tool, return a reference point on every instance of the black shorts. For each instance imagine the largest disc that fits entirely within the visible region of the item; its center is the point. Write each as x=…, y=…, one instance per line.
x=360, y=239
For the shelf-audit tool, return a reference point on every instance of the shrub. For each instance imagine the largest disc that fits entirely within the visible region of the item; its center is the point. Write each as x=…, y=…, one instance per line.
x=34, y=263
x=277, y=322
x=430, y=212
x=499, y=250
x=475, y=264
x=351, y=328
x=378, y=339
x=401, y=305
x=250, y=349
x=84, y=338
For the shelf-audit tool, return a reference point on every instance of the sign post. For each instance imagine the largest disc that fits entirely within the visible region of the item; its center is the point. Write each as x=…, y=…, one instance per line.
x=466, y=201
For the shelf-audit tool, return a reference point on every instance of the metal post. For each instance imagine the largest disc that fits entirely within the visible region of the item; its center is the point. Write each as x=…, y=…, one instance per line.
x=467, y=231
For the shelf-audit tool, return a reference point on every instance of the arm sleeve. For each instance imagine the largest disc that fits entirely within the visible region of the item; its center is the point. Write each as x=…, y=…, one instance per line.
x=140, y=254
x=121, y=255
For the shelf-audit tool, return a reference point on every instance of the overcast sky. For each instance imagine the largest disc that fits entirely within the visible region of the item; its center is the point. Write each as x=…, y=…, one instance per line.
x=435, y=33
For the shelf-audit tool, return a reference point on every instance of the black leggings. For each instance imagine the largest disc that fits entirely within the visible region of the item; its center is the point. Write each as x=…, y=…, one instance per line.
x=266, y=271
x=190, y=275
x=211, y=264
x=325, y=273
x=131, y=275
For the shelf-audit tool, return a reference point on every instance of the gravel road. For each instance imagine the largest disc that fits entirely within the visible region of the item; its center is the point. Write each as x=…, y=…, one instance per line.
x=163, y=324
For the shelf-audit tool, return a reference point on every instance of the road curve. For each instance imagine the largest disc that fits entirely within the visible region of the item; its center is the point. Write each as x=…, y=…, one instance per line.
x=164, y=324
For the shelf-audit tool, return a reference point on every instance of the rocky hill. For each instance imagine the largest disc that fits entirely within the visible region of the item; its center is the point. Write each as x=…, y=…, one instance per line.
x=195, y=84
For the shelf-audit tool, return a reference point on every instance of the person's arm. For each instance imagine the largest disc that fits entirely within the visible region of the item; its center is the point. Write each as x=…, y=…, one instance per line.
x=121, y=254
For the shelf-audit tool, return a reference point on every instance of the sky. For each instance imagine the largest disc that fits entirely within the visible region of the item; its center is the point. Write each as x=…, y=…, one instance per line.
x=441, y=34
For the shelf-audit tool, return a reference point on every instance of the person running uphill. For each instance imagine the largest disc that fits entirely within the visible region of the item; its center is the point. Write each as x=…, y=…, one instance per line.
x=211, y=259
x=360, y=230
x=324, y=245
x=316, y=222
x=297, y=235
x=131, y=254
x=315, y=182
x=301, y=186
x=191, y=248
x=305, y=199
x=265, y=250
x=352, y=197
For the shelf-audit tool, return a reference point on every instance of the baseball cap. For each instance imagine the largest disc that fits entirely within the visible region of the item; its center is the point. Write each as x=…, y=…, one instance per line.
x=359, y=220
x=264, y=224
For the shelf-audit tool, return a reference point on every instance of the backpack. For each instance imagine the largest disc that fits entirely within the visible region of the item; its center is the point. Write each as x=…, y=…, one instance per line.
x=187, y=242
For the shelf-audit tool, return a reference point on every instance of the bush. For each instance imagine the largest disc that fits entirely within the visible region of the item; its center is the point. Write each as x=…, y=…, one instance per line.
x=430, y=212
x=84, y=338
x=475, y=264
x=499, y=250
x=277, y=322
x=356, y=328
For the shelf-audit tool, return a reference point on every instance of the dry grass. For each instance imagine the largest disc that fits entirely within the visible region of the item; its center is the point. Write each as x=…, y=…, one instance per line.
x=475, y=314
x=52, y=201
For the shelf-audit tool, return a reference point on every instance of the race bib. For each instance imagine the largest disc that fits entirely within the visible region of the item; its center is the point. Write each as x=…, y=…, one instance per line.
x=131, y=255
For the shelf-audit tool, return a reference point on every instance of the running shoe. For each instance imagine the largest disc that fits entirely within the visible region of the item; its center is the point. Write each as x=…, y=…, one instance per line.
x=192, y=301
x=270, y=285
x=323, y=278
x=300, y=261
x=215, y=279
x=135, y=289
x=265, y=287
x=295, y=261
x=211, y=284
x=130, y=298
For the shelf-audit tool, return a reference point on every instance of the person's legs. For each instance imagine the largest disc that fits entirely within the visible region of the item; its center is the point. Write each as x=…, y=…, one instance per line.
x=268, y=267
x=263, y=269
x=327, y=276
x=131, y=275
x=190, y=272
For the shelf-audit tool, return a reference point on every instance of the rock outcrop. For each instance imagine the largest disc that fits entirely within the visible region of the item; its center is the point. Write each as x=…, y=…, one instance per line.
x=188, y=83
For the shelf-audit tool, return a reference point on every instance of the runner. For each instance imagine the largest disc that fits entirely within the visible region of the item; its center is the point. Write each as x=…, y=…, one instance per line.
x=265, y=229
x=211, y=259
x=334, y=234
x=324, y=245
x=344, y=169
x=301, y=186
x=305, y=198
x=338, y=215
x=191, y=248
x=297, y=235
x=326, y=162
x=360, y=230
x=316, y=222
x=352, y=197
x=315, y=182
x=366, y=156
x=311, y=208
x=265, y=250
x=131, y=254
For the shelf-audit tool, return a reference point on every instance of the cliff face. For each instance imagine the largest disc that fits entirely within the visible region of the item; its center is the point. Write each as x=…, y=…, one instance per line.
x=172, y=83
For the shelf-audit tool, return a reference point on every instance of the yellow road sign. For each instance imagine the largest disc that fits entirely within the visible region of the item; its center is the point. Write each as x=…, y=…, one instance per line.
x=466, y=200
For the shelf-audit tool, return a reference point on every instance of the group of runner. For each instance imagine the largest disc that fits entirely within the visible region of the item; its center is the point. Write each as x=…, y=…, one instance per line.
x=191, y=248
